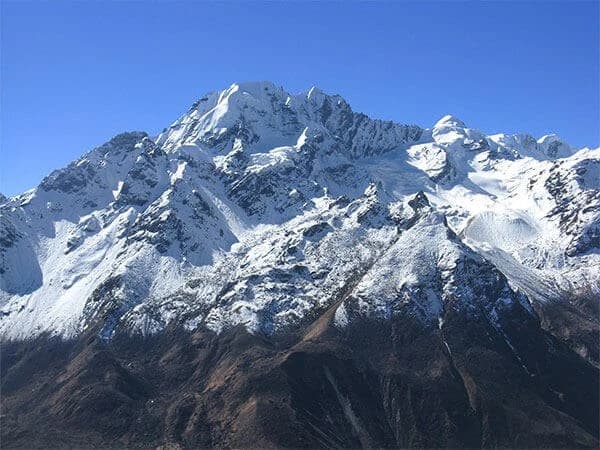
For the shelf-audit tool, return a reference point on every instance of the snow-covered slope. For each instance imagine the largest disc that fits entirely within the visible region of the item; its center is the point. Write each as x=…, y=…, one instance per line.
x=262, y=208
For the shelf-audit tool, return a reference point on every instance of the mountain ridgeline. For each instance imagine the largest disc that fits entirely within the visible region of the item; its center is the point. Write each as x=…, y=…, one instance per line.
x=278, y=270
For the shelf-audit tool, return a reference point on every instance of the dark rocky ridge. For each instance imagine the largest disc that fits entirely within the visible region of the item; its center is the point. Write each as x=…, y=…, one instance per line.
x=384, y=384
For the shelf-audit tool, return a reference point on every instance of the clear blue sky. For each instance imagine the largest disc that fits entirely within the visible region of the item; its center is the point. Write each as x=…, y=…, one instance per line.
x=76, y=73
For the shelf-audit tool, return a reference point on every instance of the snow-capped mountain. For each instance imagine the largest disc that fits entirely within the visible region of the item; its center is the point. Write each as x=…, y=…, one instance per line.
x=277, y=270
x=258, y=207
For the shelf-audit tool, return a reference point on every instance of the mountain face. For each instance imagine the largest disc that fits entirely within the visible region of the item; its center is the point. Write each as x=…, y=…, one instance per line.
x=279, y=270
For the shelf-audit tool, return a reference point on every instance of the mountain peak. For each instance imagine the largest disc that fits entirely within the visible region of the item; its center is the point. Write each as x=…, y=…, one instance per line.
x=325, y=252
x=450, y=121
x=253, y=154
x=260, y=116
x=254, y=87
x=315, y=94
x=553, y=146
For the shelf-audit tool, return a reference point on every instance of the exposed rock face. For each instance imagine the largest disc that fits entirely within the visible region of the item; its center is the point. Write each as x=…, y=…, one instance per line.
x=279, y=270
x=382, y=383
